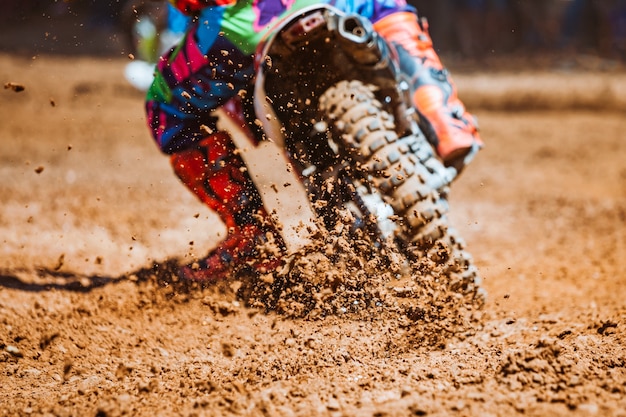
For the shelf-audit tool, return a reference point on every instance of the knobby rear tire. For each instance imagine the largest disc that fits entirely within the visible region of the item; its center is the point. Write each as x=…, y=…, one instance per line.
x=407, y=173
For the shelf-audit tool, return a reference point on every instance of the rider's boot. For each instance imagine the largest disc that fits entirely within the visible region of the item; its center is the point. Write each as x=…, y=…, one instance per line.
x=451, y=130
x=217, y=175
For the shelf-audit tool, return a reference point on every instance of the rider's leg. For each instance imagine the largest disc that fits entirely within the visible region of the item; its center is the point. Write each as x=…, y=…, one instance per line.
x=443, y=118
x=217, y=175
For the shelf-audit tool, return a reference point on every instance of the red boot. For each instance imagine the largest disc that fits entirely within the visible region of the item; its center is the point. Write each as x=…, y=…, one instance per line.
x=217, y=175
x=443, y=118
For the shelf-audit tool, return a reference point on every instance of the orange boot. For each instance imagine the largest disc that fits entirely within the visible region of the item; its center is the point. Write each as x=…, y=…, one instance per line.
x=451, y=130
x=216, y=174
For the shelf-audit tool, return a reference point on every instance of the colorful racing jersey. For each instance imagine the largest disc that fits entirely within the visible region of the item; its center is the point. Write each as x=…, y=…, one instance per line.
x=191, y=7
x=214, y=61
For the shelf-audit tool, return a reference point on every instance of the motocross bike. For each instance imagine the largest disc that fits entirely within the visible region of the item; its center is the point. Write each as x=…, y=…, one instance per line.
x=328, y=91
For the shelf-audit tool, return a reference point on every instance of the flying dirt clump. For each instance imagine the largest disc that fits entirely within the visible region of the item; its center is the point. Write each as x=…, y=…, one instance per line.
x=17, y=87
x=346, y=273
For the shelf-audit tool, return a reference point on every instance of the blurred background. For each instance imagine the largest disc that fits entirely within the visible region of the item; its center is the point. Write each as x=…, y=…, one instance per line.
x=481, y=27
x=480, y=33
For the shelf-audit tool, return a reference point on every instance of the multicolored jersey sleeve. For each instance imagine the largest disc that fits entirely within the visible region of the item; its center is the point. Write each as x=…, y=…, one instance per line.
x=214, y=61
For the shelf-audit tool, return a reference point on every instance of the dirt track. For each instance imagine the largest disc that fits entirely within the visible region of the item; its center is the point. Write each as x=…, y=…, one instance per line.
x=87, y=197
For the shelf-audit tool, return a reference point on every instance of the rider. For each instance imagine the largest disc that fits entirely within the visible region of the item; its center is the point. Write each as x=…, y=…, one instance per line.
x=214, y=62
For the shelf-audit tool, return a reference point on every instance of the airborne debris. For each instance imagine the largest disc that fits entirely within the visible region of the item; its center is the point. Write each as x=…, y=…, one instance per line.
x=15, y=87
x=60, y=262
x=206, y=130
x=39, y=169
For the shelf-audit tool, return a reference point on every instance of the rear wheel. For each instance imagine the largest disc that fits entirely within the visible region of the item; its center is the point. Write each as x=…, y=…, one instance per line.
x=407, y=173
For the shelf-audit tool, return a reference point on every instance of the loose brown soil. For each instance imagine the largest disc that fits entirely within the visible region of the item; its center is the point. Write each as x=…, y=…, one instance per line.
x=88, y=206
